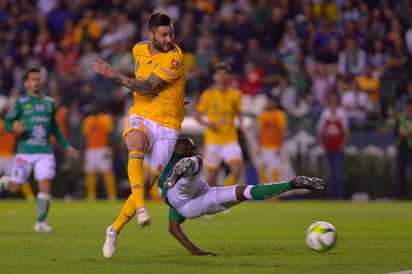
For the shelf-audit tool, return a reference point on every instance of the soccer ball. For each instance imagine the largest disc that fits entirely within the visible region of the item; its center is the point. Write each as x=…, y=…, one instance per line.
x=321, y=236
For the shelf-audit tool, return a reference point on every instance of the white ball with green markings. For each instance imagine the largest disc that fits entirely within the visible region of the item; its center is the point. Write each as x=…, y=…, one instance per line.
x=321, y=236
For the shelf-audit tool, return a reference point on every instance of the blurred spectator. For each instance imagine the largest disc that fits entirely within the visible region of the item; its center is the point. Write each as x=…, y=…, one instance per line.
x=11, y=76
x=330, y=54
x=408, y=38
x=322, y=83
x=403, y=132
x=252, y=79
x=87, y=54
x=87, y=99
x=356, y=104
x=126, y=27
x=110, y=37
x=397, y=61
x=63, y=163
x=376, y=28
x=45, y=49
x=286, y=93
x=333, y=135
x=231, y=53
x=352, y=59
x=255, y=53
x=273, y=69
x=88, y=28
x=57, y=18
x=274, y=28
x=242, y=29
x=377, y=57
x=371, y=85
x=405, y=96
x=170, y=8
x=122, y=59
x=326, y=8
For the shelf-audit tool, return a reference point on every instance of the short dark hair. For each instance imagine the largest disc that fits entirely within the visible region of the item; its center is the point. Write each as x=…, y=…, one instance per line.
x=29, y=71
x=221, y=65
x=158, y=19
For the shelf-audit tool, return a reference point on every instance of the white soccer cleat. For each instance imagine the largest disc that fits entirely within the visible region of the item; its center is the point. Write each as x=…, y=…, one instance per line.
x=42, y=227
x=143, y=217
x=4, y=180
x=109, y=247
x=183, y=169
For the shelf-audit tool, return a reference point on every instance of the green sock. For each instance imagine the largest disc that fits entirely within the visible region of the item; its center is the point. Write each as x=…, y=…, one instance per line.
x=265, y=191
x=42, y=209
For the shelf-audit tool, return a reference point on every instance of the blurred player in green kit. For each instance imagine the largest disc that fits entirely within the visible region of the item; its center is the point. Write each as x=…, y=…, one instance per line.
x=32, y=118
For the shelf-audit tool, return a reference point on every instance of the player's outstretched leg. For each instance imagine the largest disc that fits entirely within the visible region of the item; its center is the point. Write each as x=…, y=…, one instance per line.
x=313, y=184
x=183, y=169
x=109, y=247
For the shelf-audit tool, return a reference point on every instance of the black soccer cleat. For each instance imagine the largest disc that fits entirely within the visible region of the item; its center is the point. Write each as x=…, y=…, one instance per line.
x=304, y=182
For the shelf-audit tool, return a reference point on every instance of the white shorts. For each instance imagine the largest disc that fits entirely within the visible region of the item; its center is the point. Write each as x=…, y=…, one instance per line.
x=43, y=164
x=98, y=160
x=215, y=153
x=6, y=164
x=192, y=197
x=162, y=141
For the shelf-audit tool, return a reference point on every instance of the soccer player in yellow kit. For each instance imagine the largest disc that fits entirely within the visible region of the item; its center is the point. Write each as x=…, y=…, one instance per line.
x=272, y=125
x=221, y=104
x=98, y=158
x=155, y=119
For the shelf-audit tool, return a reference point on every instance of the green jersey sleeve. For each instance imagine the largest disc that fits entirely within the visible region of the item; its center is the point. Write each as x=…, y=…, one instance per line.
x=12, y=116
x=174, y=215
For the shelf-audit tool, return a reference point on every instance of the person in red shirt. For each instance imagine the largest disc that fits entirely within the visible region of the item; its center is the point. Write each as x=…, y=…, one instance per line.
x=333, y=135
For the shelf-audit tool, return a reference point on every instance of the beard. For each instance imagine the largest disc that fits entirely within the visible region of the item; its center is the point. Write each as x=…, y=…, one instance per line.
x=159, y=46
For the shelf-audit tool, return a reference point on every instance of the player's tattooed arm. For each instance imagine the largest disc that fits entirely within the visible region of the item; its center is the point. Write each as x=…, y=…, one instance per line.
x=151, y=85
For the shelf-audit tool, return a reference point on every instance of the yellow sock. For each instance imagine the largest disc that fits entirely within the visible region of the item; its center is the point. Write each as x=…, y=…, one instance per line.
x=27, y=191
x=154, y=193
x=275, y=175
x=135, y=173
x=230, y=180
x=127, y=212
x=91, y=185
x=262, y=175
x=110, y=184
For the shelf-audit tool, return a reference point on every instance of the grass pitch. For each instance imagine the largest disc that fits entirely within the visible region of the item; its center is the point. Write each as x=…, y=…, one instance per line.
x=255, y=237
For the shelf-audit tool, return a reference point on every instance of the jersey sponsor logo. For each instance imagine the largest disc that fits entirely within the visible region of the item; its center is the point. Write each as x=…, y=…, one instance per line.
x=174, y=63
x=28, y=106
x=40, y=119
x=21, y=161
x=38, y=107
x=167, y=72
x=36, y=142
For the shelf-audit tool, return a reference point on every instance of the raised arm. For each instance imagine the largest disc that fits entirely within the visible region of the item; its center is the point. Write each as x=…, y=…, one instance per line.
x=152, y=85
x=176, y=230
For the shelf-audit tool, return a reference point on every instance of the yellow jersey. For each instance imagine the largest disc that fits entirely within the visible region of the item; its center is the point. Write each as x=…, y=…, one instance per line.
x=166, y=107
x=272, y=125
x=96, y=130
x=221, y=108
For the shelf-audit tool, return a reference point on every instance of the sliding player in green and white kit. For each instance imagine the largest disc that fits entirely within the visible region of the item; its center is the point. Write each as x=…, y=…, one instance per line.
x=189, y=196
x=33, y=119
